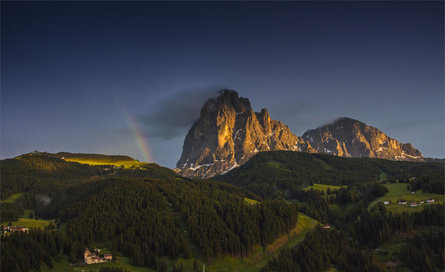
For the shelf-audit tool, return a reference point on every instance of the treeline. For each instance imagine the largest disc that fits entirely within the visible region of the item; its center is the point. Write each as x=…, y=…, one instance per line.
x=348, y=248
x=23, y=251
x=317, y=205
x=11, y=211
x=223, y=223
x=378, y=226
x=148, y=219
x=321, y=250
x=433, y=183
x=133, y=215
x=424, y=252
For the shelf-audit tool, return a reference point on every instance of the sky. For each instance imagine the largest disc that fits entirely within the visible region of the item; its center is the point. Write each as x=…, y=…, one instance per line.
x=130, y=77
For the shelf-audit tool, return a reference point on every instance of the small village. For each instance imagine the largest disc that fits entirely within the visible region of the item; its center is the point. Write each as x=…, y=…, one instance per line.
x=411, y=204
x=6, y=229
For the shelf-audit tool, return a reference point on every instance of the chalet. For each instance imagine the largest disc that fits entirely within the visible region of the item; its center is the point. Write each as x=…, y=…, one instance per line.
x=91, y=257
x=402, y=202
x=327, y=226
x=385, y=202
x=430, y=200
x=413, y=204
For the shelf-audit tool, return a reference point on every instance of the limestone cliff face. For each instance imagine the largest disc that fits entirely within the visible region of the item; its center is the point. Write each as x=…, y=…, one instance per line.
x=228, y=133
x=347, y=137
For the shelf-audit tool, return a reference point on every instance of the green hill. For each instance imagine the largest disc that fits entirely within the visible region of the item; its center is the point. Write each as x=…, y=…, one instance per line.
x=148, y=214
x=98, y=159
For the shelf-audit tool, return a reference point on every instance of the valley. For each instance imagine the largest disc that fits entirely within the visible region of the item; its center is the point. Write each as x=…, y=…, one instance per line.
x=248, y=218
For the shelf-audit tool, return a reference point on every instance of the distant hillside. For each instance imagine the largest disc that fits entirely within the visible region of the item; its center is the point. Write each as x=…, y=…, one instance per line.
x=286, y=171
x=97, y=159
x=45, y=173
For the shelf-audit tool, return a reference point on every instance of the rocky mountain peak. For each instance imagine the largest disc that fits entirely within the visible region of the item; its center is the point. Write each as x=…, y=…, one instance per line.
x=228, y=133
x=348, y=137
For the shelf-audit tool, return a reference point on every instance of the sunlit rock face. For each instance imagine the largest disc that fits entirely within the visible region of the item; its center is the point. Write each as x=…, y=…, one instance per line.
x=347, y=137
x=228, y=133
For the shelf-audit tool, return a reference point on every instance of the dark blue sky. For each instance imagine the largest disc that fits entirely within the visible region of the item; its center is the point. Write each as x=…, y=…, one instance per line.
x=73, y=71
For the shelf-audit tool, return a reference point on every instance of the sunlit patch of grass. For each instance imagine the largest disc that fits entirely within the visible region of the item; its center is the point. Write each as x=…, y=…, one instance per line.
x=323, y=187
x=251, y=201
x=12, y=198
x=399, y=191
x=30, y=223
x=125, y=164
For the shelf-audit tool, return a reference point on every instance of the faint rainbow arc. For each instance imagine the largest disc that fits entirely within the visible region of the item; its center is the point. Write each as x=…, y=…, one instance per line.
x=139, y=135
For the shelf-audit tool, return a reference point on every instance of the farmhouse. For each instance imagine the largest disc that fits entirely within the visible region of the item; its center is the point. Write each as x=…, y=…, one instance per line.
x=91, y=257
x=430, y=200
x=385, y=202
x=413, y=204
x=402, y=202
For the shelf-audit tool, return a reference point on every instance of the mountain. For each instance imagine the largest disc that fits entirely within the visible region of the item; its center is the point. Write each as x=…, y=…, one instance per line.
x=228, y=133
x=347, y=137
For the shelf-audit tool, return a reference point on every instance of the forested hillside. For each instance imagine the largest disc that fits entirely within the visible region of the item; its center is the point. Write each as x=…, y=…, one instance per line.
x=158, y=219
x=419, y=236
x=147, y=214
x=283, y=173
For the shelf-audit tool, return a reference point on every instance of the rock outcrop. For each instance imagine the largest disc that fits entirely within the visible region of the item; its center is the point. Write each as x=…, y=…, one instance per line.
x=228, y=133
x=347, y=137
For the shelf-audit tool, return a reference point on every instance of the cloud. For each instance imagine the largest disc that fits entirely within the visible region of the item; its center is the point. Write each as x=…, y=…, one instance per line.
x=175, y=114
x=43, y=199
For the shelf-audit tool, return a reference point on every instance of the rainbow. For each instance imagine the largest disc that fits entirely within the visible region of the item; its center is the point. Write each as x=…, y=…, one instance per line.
x=139, y=135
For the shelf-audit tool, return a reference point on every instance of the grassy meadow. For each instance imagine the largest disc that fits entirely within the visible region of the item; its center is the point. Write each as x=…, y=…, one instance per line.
x=12, y=198
x=323, y=187
x=399, y=191
x=125, y=163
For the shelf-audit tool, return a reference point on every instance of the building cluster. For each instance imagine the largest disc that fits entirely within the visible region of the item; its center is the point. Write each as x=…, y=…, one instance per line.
x=14, y=228
x=92, y=257
x=411, y=204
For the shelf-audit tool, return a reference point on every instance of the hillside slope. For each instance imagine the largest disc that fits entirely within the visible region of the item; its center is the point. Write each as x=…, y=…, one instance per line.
x=286, y=171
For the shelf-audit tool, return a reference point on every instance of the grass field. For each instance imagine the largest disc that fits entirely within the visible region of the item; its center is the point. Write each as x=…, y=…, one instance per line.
x=12, y=198
x=399, y=191
x=126, y=163
x=324, y=188
x=30, y=223
x=251, y=201
x=259, y=257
